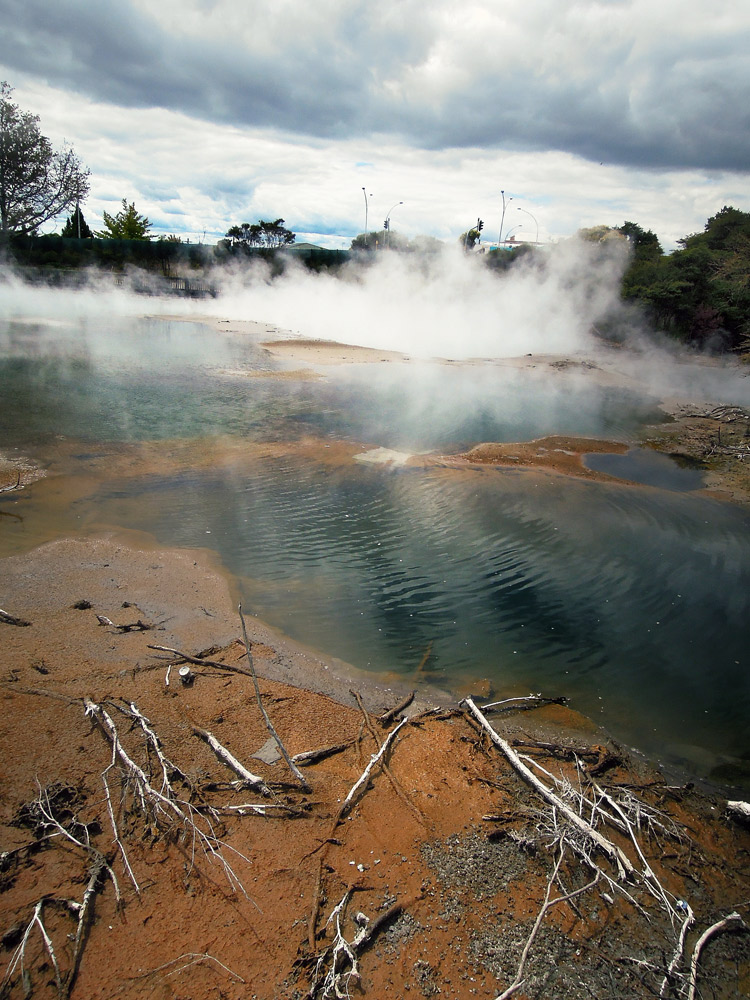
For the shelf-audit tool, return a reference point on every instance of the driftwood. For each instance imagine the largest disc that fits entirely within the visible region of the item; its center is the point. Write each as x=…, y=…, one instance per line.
x=10, y=619
x=739, y=810
x=13, y=486
x=614, y=853
x=308, y=757
x=351, y=798
x=224, y=755
x=387, y=717
x=546, y=906
x=730, y=922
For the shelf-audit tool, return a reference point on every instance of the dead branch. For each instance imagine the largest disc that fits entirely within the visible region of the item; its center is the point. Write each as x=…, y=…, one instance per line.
x=687, y=923
x=97, y=858
x=342, y=955
x=84, y=916
x=262, y=809
x=615, y=854
x=224, y=755
x=739, y=810
x=365, y=776
x=395, y=783
x=165, y=809
x=308, y=757
x=193, y=958
x=13, y=486
x=113, y=822
x=732, y=920
x=387, y=717
x=546, y=906
x=168, y=768
x=651, y=881
x=10, y=619
x=269, y=725
x=201, y=661
x=525, y=702
x=20, y=953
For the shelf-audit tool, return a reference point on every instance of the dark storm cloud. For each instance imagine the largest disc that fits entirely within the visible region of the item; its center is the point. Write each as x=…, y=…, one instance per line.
x=613, y=82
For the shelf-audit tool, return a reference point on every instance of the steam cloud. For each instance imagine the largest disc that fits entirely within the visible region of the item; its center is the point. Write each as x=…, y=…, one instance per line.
x=446, y=305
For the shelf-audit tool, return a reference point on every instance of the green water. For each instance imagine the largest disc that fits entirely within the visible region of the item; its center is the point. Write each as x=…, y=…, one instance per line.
x=633, y=602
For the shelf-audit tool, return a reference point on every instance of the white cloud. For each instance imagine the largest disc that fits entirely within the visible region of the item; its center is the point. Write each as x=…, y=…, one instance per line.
x=211, y=113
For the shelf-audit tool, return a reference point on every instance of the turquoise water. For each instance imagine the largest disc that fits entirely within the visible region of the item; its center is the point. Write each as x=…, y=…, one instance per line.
x=633, y=602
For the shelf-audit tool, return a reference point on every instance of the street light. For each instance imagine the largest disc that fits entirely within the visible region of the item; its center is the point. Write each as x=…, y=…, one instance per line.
x=512, y=230
x=535, y=223
x=364, y=192
x=387, y=223
x=502, y=220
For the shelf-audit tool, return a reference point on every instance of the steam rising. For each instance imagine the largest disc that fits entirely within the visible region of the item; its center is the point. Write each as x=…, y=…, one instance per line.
x=446, y=305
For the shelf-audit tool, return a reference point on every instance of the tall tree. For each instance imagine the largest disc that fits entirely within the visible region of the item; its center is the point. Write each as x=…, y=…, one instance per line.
x=36, y=182
x=260, y=234
x=127, y=224
x=76, y=226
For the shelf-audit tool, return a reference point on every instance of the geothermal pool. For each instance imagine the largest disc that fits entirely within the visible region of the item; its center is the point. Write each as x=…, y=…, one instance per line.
x=634, y=602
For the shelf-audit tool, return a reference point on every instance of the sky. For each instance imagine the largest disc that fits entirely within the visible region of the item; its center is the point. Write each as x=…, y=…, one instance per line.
x=210, y=113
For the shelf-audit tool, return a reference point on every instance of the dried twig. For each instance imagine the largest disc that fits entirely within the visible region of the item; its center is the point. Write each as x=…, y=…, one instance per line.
x=616, y=855
x=269, y=725
x=20, y=953
x=546, y=905
x=10, y=619
x=679, y=950
x=248, y=778
x=364, y=777
x=164, y=809
x=193, y=959
x=308, y=757
x=387, y=717
x=113, y=822
x=732, y=920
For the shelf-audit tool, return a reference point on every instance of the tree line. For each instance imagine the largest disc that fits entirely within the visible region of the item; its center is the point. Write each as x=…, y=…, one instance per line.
x=699, y=294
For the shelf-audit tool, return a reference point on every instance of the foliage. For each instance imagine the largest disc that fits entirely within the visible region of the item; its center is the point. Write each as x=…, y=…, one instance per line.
x=469, y=239
x=700, y=293
x=127, y=224
x=268, y=235
x=383, y=239
x=36, y=183
x=600, y=234
x=76, y=226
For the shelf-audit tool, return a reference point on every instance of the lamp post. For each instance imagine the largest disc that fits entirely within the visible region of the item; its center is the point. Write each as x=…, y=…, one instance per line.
x=535, y=223
x=502, y=220
x=511, y=230
x=367, y=205
x=387, y=223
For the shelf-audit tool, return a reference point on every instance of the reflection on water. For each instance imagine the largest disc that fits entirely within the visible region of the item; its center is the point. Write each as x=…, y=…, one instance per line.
x=634, y=602
x=641, y=465
x=158, y=380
